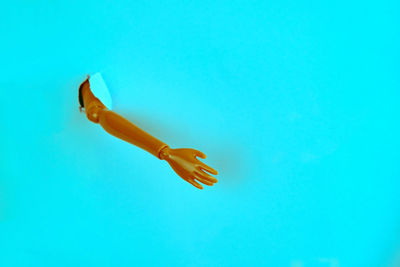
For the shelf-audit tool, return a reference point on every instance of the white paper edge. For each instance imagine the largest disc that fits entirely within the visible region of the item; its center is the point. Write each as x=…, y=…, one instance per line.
x=100, y=90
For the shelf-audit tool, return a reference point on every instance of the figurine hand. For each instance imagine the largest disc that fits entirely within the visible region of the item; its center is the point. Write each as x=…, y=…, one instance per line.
x=184, y=162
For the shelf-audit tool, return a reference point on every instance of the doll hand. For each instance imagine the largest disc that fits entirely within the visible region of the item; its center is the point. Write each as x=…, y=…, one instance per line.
x=184, y=162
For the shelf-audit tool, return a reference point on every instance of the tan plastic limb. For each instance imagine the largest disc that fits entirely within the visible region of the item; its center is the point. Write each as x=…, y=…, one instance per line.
x=183, y=161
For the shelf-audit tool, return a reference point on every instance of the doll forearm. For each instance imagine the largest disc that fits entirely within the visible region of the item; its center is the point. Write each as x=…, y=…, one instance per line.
x=121, y=128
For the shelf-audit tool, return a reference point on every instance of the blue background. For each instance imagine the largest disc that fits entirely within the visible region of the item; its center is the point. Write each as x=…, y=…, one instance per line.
x=296, y=103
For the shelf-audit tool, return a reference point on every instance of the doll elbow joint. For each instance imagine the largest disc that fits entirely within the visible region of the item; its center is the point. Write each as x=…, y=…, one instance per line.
x=93, y=112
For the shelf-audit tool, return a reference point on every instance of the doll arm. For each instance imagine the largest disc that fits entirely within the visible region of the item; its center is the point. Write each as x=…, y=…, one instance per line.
x=183, y=161
x=117, y=125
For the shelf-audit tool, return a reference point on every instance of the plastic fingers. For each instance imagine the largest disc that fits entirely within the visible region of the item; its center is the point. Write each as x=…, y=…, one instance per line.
x=204, y=181
x=199, y=154
x=205, y=176
x=207, y=168
x=194, y=183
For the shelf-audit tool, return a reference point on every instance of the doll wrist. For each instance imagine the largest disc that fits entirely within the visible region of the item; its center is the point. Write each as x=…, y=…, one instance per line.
x=164, y=152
